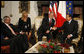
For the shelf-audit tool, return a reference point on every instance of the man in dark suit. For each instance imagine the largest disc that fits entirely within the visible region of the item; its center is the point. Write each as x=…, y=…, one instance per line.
x=70, y=28
x=44, y=29
x=19, y=40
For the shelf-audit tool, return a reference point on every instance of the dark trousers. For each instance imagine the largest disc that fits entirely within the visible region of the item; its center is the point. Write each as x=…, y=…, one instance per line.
x=54, y=34
x=11, y=43
x=63, y=39
x=18, y=44
x=49, y=36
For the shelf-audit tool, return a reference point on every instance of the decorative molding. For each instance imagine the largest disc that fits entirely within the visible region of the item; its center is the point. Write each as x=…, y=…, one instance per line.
x=24, y=6
x=2, y=4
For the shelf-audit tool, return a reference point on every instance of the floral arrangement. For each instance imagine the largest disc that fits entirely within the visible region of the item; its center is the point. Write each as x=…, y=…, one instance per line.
x=52, y=47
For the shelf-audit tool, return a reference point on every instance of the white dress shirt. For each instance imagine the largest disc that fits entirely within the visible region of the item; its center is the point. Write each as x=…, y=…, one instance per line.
x=10, y=28
x=70, y=21
x=49, y=21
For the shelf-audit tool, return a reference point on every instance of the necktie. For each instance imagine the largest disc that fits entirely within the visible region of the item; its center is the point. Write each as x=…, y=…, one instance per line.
x=11, y=29
x=50, y=22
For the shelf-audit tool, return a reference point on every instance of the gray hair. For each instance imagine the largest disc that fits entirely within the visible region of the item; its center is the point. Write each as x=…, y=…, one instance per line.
x=5, y=17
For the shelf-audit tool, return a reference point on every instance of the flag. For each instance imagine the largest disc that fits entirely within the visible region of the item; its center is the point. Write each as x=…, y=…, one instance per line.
x=65, y=7
x=69, y=7
x=53, y=8
x=61, y=14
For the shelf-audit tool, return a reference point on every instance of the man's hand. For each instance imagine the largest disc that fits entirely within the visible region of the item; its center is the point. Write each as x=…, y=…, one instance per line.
x=69, y=36
x=6, y=38
x=22, y=33
x=53, y=28
x=47, y=31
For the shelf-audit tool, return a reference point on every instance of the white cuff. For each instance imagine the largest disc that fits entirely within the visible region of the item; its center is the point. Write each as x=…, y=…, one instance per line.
x=50, y=28
x=71, y=35
x=20, y=32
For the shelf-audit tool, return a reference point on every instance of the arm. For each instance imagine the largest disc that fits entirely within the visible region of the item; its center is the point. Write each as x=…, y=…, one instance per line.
x=29, y=24
x=19, y=25
x=75, y=28
x=74, y=33
x=45, y=25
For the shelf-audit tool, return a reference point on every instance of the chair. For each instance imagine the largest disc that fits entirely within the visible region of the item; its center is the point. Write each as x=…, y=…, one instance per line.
x=80, y=25
x=38, y=21
x=5, y=49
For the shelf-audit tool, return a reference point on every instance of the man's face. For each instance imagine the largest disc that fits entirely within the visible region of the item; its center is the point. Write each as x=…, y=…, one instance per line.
x=7, y=20
x=68, y=18
x=51, y=15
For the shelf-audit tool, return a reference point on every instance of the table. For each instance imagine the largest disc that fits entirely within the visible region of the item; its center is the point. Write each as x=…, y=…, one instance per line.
x=33, y=49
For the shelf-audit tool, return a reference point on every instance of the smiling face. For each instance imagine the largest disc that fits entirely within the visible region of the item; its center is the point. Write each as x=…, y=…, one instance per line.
x=68, y=18
x=7, y=20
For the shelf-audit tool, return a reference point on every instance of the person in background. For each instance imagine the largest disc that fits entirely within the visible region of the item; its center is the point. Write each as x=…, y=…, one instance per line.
x=70, y=28
x=45, y=28
x=24, y=24
x=18, y=41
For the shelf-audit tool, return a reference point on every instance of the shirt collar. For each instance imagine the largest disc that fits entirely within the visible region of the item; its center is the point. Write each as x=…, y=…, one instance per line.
x=70, y=21
x=50, y=19
x=6, y=23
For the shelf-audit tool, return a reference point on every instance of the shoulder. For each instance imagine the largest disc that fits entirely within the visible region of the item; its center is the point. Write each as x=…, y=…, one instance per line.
x=28, y=18
x=45, y=18
x=3, y=24
x=74, y=21
x=19, y=19
x=65, y=22
x=11, y=24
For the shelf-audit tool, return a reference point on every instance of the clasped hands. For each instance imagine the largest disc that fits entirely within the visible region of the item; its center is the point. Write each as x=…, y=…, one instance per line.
x=69, y=36
x=53, y=28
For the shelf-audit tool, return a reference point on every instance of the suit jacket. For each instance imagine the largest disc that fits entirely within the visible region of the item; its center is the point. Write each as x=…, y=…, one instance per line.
x=7, y=32
x=45, y=26
x=71, y=28
x=22, y=24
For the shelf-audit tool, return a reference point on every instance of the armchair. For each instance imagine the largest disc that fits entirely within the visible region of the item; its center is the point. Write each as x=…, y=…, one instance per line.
x=38, y=21
x=80, y=25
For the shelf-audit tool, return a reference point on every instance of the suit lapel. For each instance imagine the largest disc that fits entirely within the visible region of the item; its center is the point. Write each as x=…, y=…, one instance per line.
x=7, y=28
x=71, y=22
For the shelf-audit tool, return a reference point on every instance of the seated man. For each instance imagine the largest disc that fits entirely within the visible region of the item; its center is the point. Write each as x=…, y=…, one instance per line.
x=70, y=28
x=44, y=29
x=20, y=40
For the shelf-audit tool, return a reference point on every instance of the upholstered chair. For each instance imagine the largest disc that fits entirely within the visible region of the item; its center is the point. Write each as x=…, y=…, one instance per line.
x=80, y=26
x=38, y=21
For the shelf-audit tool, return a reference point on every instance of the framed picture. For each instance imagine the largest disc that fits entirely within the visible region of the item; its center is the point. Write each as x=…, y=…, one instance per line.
x=24, y=6
x=2, y=4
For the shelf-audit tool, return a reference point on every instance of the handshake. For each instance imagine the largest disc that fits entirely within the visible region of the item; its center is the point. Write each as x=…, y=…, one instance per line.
x=53, y=28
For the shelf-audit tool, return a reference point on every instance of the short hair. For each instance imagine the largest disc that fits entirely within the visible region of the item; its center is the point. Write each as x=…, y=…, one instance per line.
x=70, y=15
x=5, y=17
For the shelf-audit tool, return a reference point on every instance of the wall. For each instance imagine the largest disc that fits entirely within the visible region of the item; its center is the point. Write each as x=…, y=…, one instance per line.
x=12, y=7
x=7, y=9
